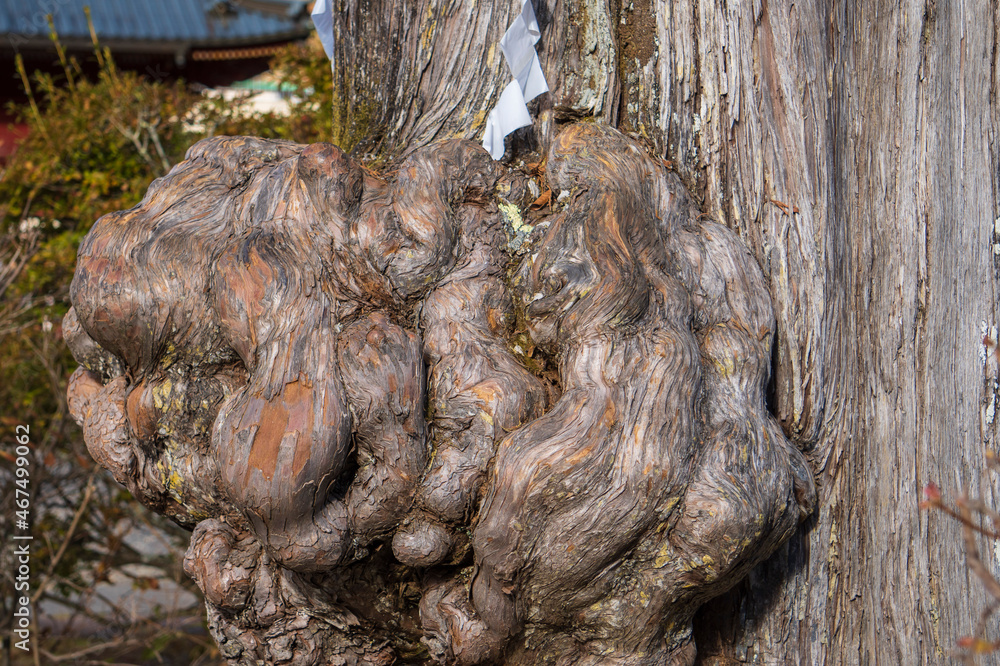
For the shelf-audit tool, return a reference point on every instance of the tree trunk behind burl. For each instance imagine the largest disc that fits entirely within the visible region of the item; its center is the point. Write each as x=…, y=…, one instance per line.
x=853, y=147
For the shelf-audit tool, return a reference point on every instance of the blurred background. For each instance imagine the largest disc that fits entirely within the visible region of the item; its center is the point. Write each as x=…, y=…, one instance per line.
x=97, y=99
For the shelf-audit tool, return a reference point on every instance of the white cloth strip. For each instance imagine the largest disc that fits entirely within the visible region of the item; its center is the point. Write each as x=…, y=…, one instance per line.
x=518, y=43
x=322, y=16
x=511, y=111
x=509, y=114
x=532, y=80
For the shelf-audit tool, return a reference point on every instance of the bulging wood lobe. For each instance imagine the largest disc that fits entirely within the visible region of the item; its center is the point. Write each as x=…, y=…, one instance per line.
x=313, y=366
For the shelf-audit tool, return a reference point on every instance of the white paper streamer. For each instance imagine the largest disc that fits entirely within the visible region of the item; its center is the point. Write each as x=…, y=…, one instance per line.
x=322, y=16
x=511, y=111
x=509, y=114
x=518, y=43
x=532, y=80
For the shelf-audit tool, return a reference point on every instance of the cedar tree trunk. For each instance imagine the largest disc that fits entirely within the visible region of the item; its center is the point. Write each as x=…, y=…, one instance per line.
x=451, y=379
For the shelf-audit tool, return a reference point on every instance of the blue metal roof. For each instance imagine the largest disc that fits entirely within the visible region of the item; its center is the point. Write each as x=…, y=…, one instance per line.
x=195, y=22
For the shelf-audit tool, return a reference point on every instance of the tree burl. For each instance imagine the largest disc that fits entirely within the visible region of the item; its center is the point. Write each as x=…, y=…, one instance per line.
x=407, y=425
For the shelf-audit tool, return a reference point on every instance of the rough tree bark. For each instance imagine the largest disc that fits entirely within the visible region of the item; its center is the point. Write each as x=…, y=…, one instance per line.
x=253, y=338
x=851, y=145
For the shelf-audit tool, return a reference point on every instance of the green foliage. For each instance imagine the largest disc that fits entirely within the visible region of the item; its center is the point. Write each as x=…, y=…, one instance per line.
x=93, y=147
x=302, y=71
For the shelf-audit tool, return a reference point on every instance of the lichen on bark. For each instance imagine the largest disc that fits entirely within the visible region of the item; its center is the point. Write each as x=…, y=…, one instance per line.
x=311, y=365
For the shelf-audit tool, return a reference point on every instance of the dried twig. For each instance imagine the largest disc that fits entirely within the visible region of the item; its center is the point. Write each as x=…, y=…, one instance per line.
x=966, y=512
x=74, y=657
x=88, y=493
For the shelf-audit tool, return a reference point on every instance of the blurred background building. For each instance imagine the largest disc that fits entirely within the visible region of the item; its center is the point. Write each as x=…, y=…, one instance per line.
x=210, y=43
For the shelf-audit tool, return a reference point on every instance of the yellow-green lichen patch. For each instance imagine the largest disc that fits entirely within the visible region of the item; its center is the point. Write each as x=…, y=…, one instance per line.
x=512, y=216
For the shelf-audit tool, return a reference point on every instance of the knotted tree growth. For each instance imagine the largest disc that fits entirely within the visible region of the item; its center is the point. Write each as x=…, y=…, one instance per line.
x=405, y=421
x=852, y=145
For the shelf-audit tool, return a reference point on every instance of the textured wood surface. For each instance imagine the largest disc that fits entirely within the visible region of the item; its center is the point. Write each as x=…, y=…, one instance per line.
x=319, y=369
x=852, y=146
